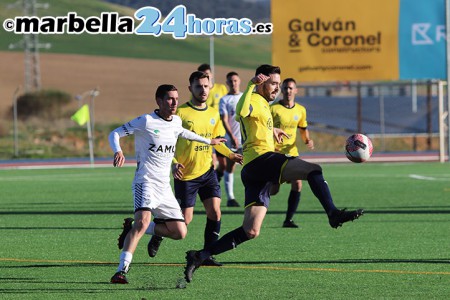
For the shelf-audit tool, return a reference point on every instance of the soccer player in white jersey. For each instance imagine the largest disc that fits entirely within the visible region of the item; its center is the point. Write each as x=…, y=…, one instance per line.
x=227, y=110
x=156, y=135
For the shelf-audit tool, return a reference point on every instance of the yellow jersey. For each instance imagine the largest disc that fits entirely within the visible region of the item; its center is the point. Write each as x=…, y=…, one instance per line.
x=253, y=113
x=215, y=93
x=196, y=157
x=288, y=119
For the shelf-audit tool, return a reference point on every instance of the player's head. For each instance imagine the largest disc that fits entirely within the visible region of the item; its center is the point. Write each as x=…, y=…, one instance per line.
x=289, y=89
x=270, y=88
x=167, y=99
x=207, y=69
x=199, y=86
x=233, y=82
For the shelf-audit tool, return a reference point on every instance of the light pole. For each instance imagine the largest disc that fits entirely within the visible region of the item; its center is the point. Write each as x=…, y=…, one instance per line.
x=90, y=125
x=15, y=127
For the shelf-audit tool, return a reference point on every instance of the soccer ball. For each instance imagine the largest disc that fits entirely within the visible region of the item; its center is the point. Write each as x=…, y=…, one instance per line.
x=358, y=148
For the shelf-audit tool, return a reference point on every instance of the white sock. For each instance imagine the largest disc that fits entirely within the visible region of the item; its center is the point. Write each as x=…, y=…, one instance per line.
x=151, y=228
x=229, y=182
x=125, y=261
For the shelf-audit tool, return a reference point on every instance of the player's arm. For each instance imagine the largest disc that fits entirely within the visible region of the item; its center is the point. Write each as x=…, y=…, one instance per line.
x=227, y=127
x=243, y=107
x=189, y=135
x=116, y=134
x=304, y=133
x=224, y=150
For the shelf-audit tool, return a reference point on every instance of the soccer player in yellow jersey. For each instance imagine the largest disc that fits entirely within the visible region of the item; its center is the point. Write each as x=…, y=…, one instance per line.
x=193, y=170
x=288, y=116
x=263, y=167
x=216, y=90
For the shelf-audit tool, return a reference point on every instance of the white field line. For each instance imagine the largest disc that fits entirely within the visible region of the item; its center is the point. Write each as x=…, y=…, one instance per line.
x=429, y=178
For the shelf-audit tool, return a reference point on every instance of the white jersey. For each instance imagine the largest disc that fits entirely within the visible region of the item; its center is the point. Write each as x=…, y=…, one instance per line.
x=227, y=106
x=155, y=140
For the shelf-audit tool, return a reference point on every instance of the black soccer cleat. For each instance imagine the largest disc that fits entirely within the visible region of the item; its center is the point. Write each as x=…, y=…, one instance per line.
x=233, y=203
x=193, y=262
x=341, y=216
x=211, y=262
x=127, y=225
x=119, y=277
x=289, y=224
x=153, y=245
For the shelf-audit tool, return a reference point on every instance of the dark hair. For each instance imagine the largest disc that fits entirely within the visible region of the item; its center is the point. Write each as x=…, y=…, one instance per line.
x=197, y=75
x=287, y=80
x=267, y=70
x=163, y=89
x=204, y=67
x=232, y=73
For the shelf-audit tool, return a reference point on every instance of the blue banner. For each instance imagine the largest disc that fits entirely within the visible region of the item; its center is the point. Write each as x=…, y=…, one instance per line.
x=422, y=42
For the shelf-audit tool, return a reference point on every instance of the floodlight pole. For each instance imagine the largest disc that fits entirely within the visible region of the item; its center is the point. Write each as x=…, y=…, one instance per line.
x=15, y=128
x=211, y=54
x=91, y=143
x=93, y=93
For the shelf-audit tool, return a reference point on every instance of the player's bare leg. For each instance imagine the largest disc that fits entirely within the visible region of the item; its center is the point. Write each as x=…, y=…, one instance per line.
x=142, y=219
x=253, y=219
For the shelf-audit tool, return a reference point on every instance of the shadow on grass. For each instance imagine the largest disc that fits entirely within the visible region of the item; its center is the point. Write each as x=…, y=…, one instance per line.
x=56, y=228
x=349, y=261
x=239, y=211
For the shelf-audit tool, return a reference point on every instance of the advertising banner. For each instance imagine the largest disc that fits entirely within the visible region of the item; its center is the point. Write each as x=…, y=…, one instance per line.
x=363, y=40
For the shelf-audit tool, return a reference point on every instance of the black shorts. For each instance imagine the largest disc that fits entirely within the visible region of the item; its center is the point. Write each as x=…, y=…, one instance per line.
x=206, y=186
x=259, y=175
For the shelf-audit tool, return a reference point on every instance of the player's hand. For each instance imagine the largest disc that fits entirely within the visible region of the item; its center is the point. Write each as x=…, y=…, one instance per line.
x=279, y=135
x=234, y=143
x=237, y=158
x=310, y=144
x=260, y=78
x=217, y=141
x=119, y=159
x=177, y=171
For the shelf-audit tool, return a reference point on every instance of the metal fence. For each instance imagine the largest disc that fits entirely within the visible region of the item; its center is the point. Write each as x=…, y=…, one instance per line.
x=386, y=111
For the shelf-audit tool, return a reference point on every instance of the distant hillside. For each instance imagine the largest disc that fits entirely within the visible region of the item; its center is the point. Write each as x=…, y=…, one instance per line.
x=256, y=10
x=230, y=51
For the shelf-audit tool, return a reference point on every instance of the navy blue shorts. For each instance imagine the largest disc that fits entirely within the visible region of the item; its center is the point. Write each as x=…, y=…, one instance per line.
x=206, y=186
x=260, y=174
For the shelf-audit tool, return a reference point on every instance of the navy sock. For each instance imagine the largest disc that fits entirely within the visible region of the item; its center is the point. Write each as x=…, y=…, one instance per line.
x=320, y=189
x=293, y=201
x=229, y=241
x=212, y=231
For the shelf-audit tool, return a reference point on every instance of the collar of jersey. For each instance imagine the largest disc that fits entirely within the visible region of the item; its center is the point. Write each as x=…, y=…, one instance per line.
x=157, y=113
x=194, y=107
x=286, y=106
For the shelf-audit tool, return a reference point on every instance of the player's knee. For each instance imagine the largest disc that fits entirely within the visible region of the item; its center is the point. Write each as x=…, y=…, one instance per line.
x=180, y=233
x=187, y=221
x=252, y=233
x=213, y=215
x=141, y=225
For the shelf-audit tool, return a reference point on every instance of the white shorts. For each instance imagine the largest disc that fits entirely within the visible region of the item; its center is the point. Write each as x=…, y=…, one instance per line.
x=158, y=199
